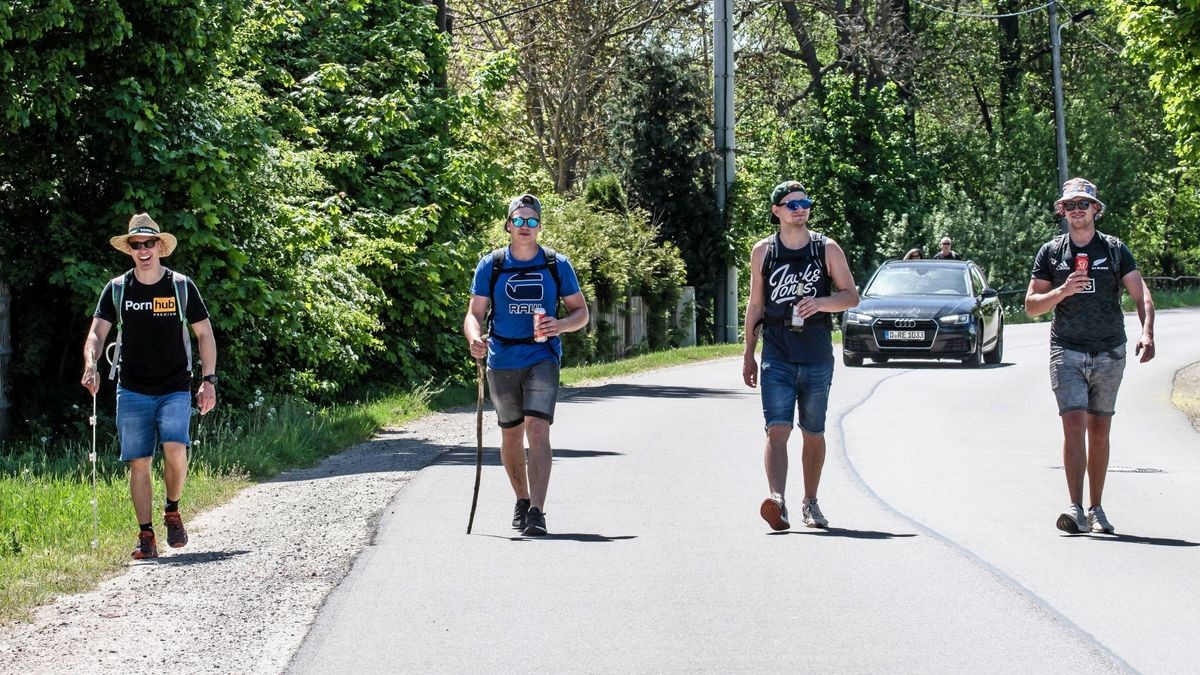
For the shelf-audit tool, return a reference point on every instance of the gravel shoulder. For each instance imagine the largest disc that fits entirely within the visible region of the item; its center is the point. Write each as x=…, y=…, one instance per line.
x=242, y=595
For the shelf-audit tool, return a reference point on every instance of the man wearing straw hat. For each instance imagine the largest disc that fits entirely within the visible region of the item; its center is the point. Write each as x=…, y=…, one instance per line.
x=152, y=307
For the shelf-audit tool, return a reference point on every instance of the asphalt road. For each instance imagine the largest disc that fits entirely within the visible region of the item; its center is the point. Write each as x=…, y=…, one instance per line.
x=942, y=486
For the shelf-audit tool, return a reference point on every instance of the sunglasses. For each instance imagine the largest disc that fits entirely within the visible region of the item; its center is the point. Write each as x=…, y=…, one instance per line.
x=525, y=222
x=149, y=243
x=1082, y=205
x=797, y=204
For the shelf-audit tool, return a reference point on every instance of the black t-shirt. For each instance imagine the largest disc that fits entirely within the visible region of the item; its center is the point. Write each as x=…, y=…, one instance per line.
x=947, y=256
x=1091, y=320
x=153, y=357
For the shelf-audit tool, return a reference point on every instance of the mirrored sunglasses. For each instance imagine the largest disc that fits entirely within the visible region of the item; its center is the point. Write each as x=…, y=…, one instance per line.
x=149, y=243
x=797, y=204
x=1082, y=204
x=525, y=222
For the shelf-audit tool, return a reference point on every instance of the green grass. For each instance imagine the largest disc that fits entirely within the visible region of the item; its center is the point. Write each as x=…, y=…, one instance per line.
x=46, y=529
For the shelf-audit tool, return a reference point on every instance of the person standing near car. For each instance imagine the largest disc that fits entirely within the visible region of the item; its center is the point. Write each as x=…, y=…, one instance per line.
x=152, y=308
x=523, y=349
x=793, y=274
x=945, y=253
x=1080, y=275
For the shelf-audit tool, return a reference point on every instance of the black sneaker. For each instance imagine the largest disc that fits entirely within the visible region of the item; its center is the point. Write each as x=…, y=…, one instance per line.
x=519, y=513
x=535, y=522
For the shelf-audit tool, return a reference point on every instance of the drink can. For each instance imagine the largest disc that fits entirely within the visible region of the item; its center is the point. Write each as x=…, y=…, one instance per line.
x=1081, y=262
x=538, y=313
x=797, y=323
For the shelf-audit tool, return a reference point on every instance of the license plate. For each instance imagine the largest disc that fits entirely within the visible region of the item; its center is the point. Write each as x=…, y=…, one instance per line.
x=903, y=335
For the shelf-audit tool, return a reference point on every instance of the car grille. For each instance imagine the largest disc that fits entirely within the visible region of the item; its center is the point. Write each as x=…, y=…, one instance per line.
x=928, y=325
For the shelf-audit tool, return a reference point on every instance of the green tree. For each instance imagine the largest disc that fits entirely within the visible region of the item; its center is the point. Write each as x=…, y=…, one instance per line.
x=658, y=140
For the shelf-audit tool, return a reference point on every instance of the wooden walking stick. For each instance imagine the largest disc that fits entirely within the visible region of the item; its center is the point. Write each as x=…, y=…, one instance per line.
x=478, y=441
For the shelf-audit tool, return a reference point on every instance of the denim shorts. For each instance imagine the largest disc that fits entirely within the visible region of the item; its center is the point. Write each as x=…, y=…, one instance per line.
x=518, y=393
x=786, y=386
x=1086, y=380
x=145, y=422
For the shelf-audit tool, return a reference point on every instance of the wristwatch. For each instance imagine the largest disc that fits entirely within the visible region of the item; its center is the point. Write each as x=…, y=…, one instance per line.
x=211, y=379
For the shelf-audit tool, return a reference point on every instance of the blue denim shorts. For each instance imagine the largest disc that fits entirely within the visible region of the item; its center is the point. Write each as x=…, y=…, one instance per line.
x=518, y=393
x=787, y=386
x=1086, y=380
x=145, y=422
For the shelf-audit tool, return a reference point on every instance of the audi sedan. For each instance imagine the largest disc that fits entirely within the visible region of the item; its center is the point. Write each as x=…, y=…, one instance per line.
x=925, y=309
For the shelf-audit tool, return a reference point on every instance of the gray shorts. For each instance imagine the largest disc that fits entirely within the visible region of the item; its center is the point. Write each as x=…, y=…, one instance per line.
x=518, y=393
x=1086, y=380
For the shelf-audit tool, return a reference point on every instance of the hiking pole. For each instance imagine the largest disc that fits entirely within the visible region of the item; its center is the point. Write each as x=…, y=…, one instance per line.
x=92, y=458
x=478, y=441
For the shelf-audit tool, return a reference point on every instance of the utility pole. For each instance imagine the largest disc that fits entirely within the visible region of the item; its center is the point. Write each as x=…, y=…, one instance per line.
x=727, y=304
x=1060, y=124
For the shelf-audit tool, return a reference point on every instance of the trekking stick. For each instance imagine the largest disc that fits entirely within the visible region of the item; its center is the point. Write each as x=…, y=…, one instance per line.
x=478, y=441
x=92, y=458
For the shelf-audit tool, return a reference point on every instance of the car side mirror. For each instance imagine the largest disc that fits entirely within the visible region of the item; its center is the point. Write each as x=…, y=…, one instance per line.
x=991, y=293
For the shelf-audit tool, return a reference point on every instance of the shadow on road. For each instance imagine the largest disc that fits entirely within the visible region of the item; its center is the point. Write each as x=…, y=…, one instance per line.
x=459, y=456
x=197, y=558
x=648, y=391
x=565, y=536
x=1135, y=539
x=848, y=534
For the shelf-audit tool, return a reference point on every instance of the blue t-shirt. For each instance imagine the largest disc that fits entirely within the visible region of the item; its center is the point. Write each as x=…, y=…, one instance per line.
x=522, y=286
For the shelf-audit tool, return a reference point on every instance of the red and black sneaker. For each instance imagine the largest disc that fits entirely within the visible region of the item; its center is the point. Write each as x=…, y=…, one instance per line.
x=176, y=535
x=147, y=546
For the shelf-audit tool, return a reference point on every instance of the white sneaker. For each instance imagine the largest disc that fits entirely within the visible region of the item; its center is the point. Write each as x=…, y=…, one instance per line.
x=774, y=511
x=1073, y=520
x=1098, y=523
x=813, y=516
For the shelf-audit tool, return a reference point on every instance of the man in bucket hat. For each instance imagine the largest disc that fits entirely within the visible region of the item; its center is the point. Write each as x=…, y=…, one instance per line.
x=1080, y=275
x=523, y=349
x=793, y=274
x=152, y=307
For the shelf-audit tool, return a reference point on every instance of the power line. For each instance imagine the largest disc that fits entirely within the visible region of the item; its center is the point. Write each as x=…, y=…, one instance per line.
x=983, y=16
x=507, y=14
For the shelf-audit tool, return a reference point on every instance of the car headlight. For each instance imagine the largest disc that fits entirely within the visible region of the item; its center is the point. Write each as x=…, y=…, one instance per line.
x=955, y=319
x=858, y=317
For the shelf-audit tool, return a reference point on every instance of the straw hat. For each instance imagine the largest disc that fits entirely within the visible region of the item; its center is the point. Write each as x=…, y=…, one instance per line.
x=142, y=225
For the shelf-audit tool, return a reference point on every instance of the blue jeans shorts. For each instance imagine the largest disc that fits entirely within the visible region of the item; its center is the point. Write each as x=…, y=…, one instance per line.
x=145, y=422
x=518, y=393
x=787, y=386
x=1086, y=380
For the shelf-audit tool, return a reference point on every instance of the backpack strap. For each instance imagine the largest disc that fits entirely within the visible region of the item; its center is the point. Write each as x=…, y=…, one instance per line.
x=118, y=284
x=180, y=283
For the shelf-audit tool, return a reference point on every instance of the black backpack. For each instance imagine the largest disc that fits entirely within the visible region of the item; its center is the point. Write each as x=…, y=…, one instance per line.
x=551, y=265
x=1114, y=251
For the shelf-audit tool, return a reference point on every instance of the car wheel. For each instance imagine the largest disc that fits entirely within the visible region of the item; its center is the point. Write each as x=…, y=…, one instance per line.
x=976, y=356
x=879, y=359
x=852, y=361
x=997, y=353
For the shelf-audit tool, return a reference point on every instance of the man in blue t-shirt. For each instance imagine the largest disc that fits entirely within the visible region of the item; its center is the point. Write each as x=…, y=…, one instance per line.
x=1080, y=276
x=523, y=358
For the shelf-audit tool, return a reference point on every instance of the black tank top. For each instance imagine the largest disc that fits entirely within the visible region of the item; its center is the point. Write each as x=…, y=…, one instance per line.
x=790, y=274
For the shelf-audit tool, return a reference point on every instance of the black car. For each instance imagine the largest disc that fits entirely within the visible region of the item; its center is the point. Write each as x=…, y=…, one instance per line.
x=925, y=309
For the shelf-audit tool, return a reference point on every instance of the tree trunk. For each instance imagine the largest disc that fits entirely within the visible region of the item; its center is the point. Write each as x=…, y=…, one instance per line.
x=5, y=357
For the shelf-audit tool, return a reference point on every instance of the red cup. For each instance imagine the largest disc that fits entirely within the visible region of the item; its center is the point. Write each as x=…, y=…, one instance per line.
x=1081, y=262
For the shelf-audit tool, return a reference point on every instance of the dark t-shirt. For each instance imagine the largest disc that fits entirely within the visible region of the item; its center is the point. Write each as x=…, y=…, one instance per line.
x=797, y=273
x=947, y=256
x=1091, y=320
x=153, y=357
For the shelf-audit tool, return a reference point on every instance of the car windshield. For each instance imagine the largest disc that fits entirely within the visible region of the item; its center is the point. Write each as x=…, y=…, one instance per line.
x=918, y=280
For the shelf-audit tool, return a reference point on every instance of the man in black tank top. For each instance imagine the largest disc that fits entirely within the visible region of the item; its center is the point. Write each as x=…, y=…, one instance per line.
x=1080, y=275
x=793, y=274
